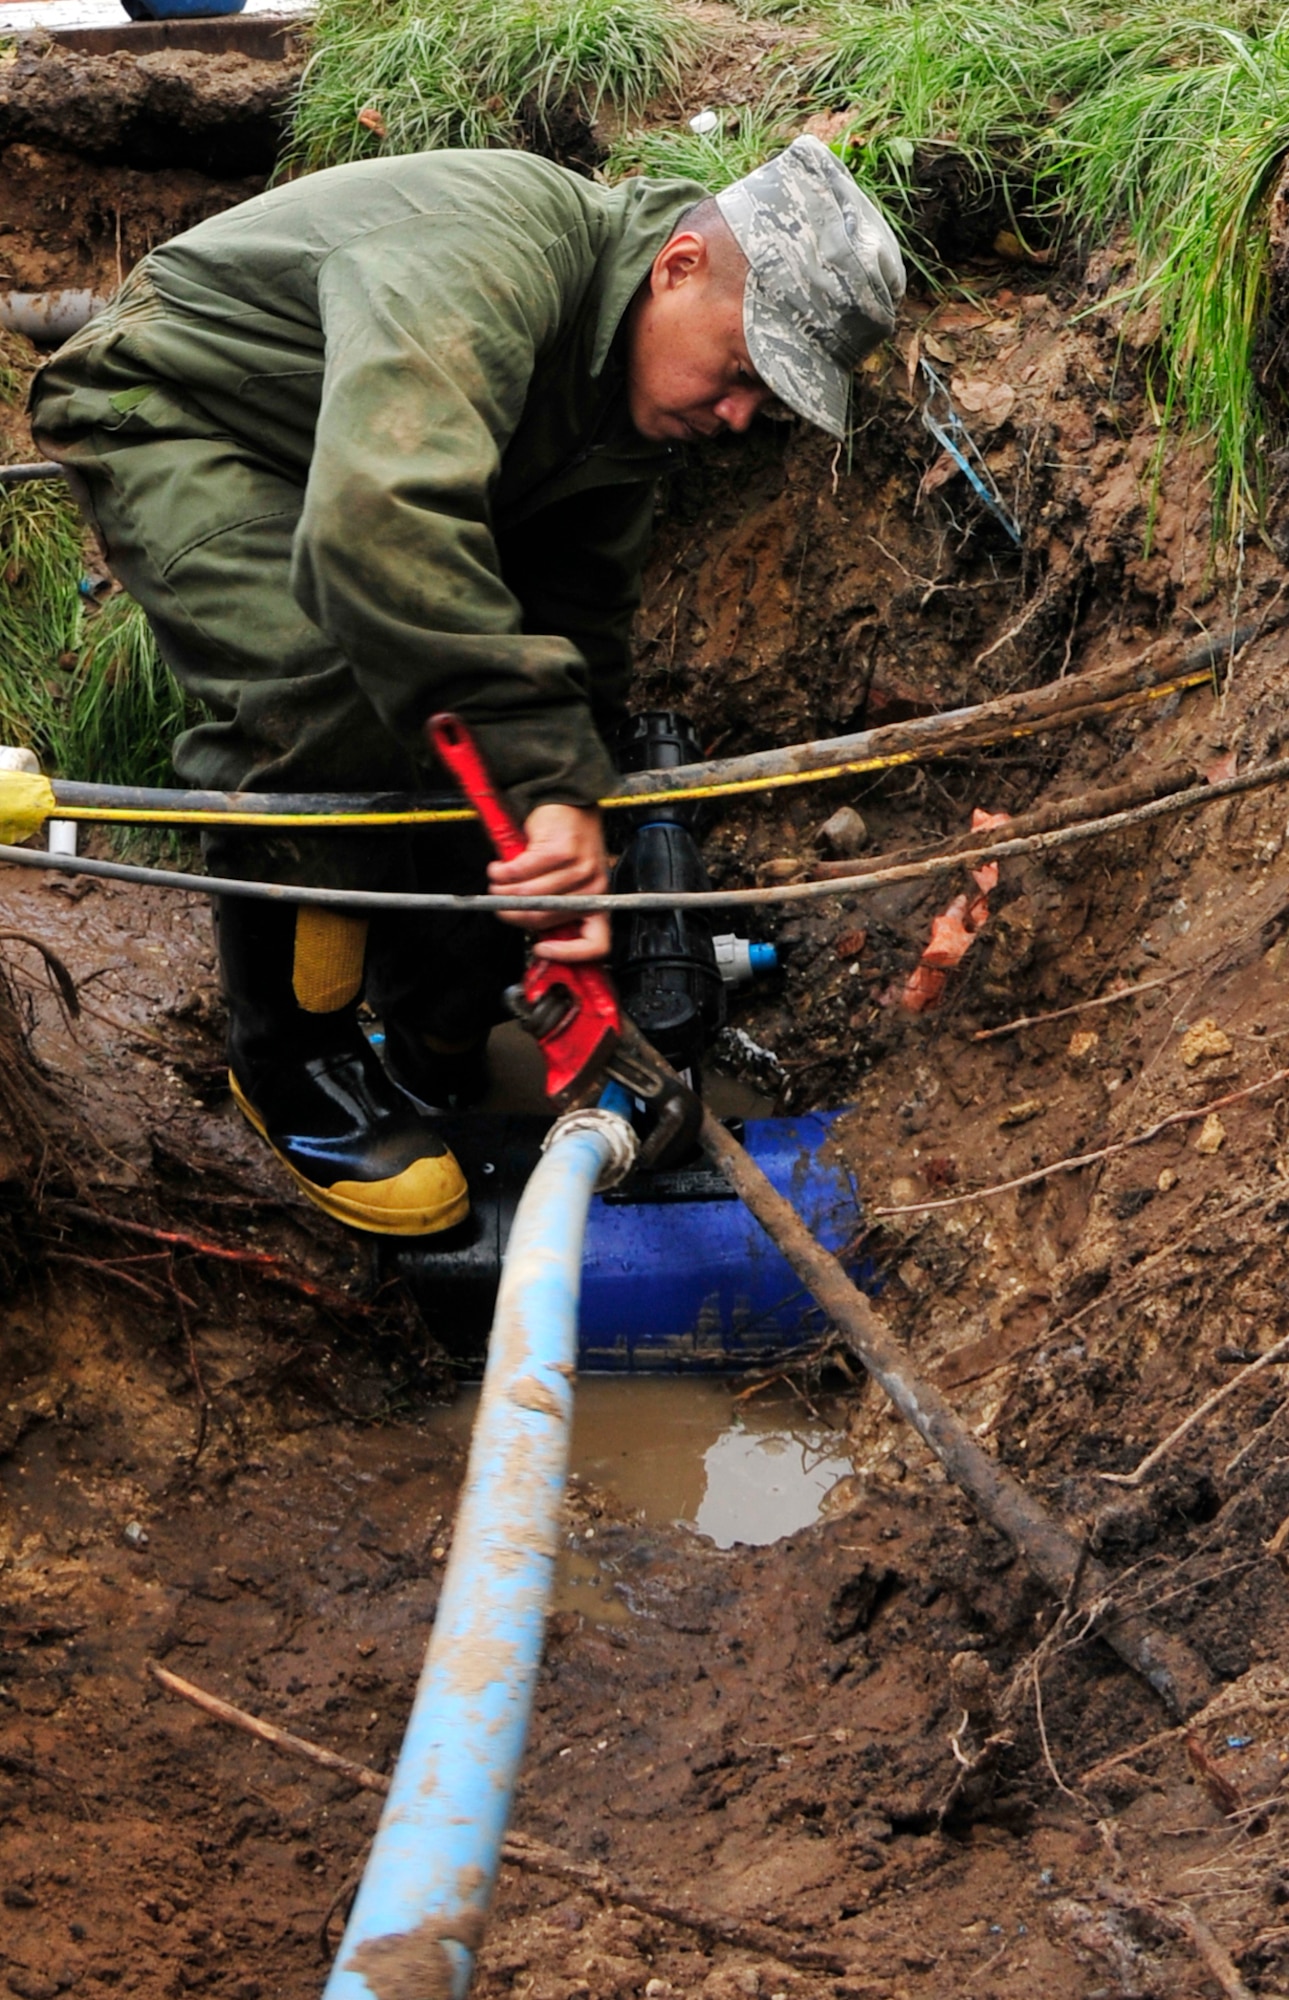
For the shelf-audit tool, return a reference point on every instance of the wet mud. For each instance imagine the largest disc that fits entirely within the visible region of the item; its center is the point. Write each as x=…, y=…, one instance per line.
x=749, y=1467
x=227, y=1444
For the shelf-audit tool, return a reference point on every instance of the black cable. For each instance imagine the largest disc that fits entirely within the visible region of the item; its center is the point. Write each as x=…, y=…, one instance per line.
x=693, y=899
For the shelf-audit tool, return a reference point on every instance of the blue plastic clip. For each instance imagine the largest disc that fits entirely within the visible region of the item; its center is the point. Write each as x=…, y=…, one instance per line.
x=952, y=434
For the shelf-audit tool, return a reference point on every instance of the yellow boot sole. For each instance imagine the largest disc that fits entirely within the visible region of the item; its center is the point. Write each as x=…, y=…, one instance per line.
x=426, y=1197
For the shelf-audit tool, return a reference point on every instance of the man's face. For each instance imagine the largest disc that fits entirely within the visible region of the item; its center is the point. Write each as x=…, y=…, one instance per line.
x=688, y=371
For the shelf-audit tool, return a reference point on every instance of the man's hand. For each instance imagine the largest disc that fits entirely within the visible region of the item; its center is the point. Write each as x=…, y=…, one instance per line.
x=565, y=856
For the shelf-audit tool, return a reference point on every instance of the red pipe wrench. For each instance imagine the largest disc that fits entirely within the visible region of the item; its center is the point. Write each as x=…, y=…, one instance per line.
x=572, y=1010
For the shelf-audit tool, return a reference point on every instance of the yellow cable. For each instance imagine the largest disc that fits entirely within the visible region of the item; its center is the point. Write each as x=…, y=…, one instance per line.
x=202, y=816
x=724, y=788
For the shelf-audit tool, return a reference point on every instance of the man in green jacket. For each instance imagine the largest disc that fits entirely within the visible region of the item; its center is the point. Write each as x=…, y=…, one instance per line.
x=384, y=441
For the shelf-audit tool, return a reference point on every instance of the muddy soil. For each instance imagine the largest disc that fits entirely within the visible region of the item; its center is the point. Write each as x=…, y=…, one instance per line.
x=205, y=1466
x=224, y=113
x=68, y=224
x=103, y=155
x=218, y=1444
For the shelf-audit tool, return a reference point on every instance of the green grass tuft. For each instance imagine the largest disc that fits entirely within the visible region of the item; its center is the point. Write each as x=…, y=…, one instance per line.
x=776, y=10
x=973, y=80
x=17, y=361
x=748, y=136
x=1165, y=131
x=966, y=73
x=1177, y=139
x=467, y=72
x=80, y=684
x=40, y=608
x=121, y=707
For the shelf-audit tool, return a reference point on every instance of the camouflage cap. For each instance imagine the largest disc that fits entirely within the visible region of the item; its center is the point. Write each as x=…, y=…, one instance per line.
x=825, y=277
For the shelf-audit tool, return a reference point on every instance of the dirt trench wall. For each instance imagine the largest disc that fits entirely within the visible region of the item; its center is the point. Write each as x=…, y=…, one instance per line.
x=104, y=154
x=224, y=113
x=798, y=591
x=65, y=222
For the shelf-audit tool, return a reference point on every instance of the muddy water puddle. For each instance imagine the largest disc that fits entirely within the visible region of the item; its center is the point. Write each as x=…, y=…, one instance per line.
x=687, y=1451
x=749, y=1471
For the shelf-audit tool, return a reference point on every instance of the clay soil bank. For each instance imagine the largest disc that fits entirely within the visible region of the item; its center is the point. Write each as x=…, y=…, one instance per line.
x=223, y=1463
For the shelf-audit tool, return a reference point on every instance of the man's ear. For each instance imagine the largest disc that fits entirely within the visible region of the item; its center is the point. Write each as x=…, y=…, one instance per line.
x=685, y=256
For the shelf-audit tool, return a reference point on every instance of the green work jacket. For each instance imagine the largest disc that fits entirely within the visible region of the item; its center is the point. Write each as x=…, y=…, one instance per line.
x=430, y=345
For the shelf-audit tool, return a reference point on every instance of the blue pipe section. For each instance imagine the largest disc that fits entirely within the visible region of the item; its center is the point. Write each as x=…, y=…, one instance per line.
x=419, y=1915
x=677, y=1274
x=697, y=1285
x=616, y=1097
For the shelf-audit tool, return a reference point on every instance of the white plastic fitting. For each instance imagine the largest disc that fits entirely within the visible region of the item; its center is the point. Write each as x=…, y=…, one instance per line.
x=738, y=959
x=623, y=1144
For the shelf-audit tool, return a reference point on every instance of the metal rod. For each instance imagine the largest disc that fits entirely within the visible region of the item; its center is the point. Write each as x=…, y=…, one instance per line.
x=1056, y=1556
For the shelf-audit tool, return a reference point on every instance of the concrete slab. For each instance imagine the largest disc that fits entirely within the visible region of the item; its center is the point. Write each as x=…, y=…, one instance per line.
x=107, y=17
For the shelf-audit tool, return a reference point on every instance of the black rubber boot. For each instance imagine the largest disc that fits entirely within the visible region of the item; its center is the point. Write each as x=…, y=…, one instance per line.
x=441, y=1079
x=310, y=1084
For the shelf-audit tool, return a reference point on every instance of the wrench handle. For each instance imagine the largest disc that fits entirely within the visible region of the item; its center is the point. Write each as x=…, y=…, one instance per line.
x=456, y=748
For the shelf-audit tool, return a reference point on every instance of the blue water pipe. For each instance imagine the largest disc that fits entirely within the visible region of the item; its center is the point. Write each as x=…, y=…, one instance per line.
x=418, y=1917
x=677, y=1274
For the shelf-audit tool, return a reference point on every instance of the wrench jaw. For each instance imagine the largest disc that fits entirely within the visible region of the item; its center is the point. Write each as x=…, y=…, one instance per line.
x=573, y=1017
x=584, y=1048
x=673, y=1111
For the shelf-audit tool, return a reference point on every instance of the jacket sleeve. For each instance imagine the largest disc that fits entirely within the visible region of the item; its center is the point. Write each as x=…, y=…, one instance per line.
x=432, y=332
